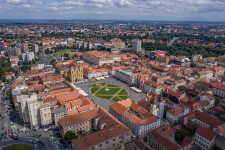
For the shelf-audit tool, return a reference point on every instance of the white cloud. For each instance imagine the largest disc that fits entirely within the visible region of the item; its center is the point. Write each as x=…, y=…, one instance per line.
x=73, y=2
x=116, y=9
x=26, y=5
x=16, y=1
x=99, y=12
x=98, y=5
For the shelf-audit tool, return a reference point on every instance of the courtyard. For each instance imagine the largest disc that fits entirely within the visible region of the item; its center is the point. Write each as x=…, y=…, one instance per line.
x=86, y=86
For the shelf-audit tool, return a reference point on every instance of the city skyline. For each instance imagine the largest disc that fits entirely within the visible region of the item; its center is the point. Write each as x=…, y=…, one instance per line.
x=161, y=10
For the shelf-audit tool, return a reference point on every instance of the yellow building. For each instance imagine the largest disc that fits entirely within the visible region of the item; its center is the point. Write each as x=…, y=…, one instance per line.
x=74, y=74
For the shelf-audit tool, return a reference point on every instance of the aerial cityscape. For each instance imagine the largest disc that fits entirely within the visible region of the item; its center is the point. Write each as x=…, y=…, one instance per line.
x=112, y=75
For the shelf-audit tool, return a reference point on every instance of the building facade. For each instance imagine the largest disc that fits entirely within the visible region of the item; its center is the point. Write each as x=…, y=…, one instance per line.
x=136, y=45
x=138, y=119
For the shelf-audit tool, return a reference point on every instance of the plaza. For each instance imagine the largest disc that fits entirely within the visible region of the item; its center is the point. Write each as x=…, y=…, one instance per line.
x=86, y=86
x=108, y=91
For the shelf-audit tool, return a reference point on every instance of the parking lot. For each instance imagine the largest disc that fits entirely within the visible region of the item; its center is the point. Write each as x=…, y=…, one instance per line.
x=105, y=103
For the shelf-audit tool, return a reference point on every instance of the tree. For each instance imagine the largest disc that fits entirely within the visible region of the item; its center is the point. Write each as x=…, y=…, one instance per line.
x=69, y=135
x=2, y=72
x=47, y=51
x=52, y=61
x=66, y=55
x=180, y=135
x=9, y=93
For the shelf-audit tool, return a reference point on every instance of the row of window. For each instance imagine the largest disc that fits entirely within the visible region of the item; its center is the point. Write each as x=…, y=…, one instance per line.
x=202, y=139
x=201, y=145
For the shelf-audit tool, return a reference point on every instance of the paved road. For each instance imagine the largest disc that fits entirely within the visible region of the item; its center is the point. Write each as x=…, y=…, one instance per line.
x=5, y=125
x=105, y=103
x=8, y=125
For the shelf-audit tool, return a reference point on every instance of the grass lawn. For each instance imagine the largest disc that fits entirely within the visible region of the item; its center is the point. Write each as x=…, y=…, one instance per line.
x=111, y=94
x=116, y=99
x=104, y=97
x=94, y=85
x=111, y=91
x=123, y=97
x=122, y=92
x=93, y=90
x=63, y=51
x=112, y=85
x=18, y=147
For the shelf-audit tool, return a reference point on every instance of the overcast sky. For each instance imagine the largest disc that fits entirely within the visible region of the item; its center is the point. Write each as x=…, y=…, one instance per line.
x=168, y=10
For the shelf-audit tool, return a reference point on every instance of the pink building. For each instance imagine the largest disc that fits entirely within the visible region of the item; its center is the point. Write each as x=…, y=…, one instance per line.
x=154, y=54
x=191, y=103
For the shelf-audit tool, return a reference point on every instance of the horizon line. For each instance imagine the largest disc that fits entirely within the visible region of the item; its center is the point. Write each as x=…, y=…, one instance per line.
x=112, y=20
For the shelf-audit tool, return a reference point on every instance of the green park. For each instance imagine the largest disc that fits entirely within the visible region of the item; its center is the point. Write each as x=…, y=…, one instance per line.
x=108, y=91
x=18, y=147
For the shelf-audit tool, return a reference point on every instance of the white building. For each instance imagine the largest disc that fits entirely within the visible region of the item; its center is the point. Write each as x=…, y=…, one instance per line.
x=136, y=45
x=34, y=48
x=204, y=142
x=157, y=108
x=126, y=76
x=22, y=100
x=32, y=108
x=29, y=56
x=58, y=114
x=45, y=115
x=147, y=86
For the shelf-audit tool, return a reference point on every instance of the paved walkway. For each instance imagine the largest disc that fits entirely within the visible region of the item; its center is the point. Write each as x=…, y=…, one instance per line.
x=105, y=103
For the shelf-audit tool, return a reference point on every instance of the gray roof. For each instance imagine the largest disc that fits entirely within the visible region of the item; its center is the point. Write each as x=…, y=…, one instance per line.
x=58, y=110
x=125, y=72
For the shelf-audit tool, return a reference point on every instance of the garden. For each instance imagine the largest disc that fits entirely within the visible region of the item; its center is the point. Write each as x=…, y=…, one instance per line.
x=109, y=92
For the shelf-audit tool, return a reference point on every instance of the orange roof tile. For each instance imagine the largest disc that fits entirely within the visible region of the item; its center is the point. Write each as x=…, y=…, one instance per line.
x=175, y=111
x=76, y=103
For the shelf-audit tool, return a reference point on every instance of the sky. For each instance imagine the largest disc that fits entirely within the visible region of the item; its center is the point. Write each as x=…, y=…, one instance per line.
x=150, y=10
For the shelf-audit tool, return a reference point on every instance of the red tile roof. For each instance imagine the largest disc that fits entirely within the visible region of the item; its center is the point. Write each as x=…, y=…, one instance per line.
x=191, y=103
x=118, y=108
x=205, y=132
x=213, y=122
x=219, y=85
x=163, y=136
x=9, y=73
x=127, y=108
x=175, y=111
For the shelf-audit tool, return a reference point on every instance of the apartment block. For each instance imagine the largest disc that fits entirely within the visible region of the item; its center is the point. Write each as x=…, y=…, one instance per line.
x=45, y=115
x=57, y=114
